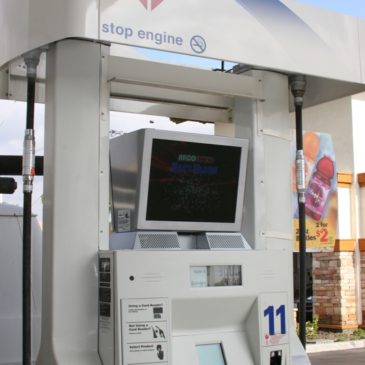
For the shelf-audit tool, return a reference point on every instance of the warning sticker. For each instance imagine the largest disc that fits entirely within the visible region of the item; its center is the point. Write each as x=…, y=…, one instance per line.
x=124, y=220
x=145, y=331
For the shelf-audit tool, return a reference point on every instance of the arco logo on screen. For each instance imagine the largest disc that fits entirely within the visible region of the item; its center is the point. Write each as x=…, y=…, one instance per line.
x=151, y=4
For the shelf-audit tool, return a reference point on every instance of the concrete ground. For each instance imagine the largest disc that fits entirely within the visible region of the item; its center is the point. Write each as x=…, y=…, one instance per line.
x=336, y=353
x=355, y=356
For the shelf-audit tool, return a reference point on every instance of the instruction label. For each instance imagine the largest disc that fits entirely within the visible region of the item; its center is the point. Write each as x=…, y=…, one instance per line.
x=124, y=220
x=145, y=331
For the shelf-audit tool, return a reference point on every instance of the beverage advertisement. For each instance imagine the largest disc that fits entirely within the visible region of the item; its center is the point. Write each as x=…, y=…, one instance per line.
x=320, y=195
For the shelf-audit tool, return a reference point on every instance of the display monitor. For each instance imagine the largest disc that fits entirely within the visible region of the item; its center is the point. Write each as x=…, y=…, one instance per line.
x=177, y=181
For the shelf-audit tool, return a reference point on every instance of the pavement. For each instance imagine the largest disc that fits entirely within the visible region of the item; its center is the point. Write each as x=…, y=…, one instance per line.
x=337, y=353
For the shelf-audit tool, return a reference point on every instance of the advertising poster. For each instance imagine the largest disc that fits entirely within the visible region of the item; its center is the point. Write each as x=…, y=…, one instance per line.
x=320, y=195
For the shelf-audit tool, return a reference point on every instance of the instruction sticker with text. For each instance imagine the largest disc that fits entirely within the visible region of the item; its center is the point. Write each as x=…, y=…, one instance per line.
x=145, y=331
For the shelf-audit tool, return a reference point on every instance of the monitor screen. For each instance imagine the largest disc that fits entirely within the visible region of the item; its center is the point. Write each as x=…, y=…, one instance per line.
x=193, y=182
x=211, y=354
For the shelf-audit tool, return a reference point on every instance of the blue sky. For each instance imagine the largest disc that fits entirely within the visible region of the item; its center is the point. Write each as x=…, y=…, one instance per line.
x=350, y=7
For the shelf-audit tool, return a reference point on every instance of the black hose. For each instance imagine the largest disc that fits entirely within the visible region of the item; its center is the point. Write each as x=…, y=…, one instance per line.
x=30, y=101
x=298, y=85
x=27, y=230
x=27, y=316
x=299, y=126
x=302, y=275
x=302, y=238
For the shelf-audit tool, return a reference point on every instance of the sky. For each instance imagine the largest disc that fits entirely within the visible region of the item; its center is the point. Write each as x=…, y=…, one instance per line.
x=12, y=114
x=349, y=7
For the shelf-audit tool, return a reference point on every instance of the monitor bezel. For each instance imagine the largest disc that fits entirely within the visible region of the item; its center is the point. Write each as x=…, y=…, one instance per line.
x=188, y=226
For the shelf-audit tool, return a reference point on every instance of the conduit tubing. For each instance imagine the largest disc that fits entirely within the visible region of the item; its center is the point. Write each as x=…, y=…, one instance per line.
x=31, y=60
x=298, y=85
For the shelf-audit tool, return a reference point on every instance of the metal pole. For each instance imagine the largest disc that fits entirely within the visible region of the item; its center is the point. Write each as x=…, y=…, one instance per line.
x=298, y=85
x=31, y=60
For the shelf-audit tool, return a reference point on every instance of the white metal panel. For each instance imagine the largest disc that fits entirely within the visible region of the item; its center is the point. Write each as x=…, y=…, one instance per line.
x=267, y=217
x=180, y=112
x=166, y=76
x=277, y=152
x=319, y=89
x=228, y=315
x=17, y=80
x=72, y=192
x=155, y=92
x=104, y=166
x=245, y=119
x=29, y=24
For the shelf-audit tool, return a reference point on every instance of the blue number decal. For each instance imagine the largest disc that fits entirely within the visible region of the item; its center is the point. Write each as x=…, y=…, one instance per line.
x=269, y=311
x=281, y=311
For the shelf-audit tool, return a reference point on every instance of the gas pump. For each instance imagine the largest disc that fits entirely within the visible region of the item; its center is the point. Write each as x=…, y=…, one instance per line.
x=169, y=296
x=165, y=286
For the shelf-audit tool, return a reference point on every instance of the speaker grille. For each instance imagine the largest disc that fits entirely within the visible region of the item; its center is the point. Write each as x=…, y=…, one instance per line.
x=225, y=241
x=158, y=241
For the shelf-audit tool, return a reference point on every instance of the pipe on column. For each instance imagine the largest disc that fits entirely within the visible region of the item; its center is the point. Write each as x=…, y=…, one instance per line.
x=31, y=60
x=298, y=85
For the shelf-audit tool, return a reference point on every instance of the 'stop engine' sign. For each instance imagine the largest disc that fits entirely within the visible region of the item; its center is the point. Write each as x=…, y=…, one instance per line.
x=282, y=35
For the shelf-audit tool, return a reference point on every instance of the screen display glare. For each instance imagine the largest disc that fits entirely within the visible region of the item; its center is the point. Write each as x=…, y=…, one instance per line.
x=216, y=275
x=193, y=182
x=211, y=354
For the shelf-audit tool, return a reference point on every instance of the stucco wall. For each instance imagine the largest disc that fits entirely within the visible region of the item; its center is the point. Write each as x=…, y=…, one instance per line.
x=358, y=118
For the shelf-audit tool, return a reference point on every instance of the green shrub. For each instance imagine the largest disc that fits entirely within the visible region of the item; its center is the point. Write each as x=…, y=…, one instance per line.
x=341, y=336
x=311, y=327
x=358, y=334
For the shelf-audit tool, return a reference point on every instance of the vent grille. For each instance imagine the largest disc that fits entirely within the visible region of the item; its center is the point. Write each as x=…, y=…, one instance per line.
x=157, y=241
x=225, y=241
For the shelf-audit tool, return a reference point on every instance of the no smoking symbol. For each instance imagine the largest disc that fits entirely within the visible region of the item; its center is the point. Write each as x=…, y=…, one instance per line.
x=198, y=44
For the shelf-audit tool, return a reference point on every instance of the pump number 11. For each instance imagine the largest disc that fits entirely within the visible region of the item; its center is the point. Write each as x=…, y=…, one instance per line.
x=270, y=313
x=273, y=318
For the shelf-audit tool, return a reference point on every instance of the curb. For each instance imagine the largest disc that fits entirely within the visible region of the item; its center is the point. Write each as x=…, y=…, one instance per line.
x=335, y=346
